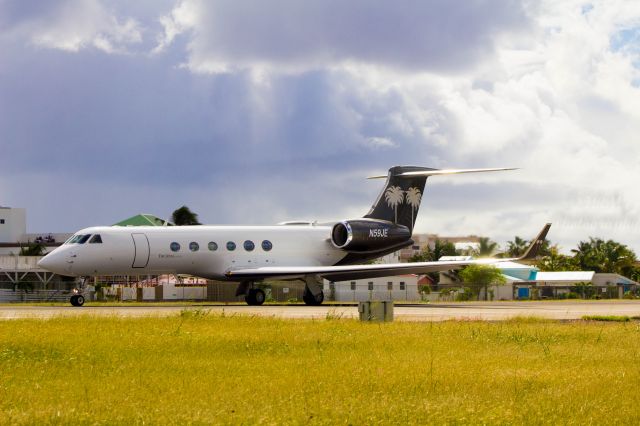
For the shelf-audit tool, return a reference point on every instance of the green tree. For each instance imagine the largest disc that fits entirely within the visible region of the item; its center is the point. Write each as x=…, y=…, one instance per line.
x=32, y=249
x=184, y=216
x=482, y=276
x=517, y=247
x=555, y=261
x=440, y=248
x=486, y=247
x=605, y=256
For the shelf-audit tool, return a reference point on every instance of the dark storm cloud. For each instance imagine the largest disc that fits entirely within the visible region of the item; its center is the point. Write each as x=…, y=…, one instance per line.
x=410, y=34
x=141, y=119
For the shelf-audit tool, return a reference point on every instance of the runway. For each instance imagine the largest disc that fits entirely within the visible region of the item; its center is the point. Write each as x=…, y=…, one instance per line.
x=491, y=311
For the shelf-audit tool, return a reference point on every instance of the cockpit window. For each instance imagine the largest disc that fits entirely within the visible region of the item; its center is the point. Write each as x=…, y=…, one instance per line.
x=73, y=239
x=96, y=239
x=76, y=239
x=83, y=239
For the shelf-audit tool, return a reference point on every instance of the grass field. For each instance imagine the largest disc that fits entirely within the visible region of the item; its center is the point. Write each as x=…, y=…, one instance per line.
x=198, y=368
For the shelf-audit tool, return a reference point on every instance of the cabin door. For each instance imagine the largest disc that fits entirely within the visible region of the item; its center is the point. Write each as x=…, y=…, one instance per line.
x=141, y=250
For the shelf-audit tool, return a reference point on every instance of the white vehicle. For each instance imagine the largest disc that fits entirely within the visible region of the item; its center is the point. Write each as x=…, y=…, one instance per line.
x=246, y=255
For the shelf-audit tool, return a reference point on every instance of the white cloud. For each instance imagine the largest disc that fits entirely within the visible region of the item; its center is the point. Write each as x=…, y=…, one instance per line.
x=76, y=25
x=288, y=35
x=547, y=86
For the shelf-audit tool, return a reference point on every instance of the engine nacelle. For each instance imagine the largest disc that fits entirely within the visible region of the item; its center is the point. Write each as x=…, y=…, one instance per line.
x=366, y=235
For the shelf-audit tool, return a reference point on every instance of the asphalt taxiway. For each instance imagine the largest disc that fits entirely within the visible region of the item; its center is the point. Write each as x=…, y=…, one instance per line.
x=492, y=311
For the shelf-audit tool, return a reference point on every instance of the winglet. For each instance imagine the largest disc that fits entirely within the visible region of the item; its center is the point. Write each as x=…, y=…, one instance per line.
x=536, y=244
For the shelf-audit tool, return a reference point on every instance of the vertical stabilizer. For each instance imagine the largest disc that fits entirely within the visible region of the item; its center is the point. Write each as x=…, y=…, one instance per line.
x=400, y=198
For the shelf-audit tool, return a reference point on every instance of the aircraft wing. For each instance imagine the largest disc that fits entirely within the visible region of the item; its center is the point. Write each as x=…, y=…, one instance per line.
x=353, y=272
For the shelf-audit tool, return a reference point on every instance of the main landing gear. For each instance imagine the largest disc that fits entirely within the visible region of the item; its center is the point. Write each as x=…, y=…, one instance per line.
x=312, y=300
x=313, y=294
x=254, y=297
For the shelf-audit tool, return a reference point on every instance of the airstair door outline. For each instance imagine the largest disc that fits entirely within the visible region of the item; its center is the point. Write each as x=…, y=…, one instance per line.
x=141, y=250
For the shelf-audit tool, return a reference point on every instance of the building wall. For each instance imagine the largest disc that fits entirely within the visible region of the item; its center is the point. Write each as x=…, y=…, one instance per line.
x=13, y=224
x=373, y=289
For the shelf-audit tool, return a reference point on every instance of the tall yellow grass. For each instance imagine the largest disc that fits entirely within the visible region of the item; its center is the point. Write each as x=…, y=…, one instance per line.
x=199, y=368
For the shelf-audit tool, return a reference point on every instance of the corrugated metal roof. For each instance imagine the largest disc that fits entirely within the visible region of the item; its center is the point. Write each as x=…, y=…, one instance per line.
x=576, y=276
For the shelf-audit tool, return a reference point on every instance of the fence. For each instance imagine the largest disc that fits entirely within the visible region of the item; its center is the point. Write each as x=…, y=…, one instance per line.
x=34, y=295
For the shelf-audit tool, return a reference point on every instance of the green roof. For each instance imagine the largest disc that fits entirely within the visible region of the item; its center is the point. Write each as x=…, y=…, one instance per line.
x=144, y=220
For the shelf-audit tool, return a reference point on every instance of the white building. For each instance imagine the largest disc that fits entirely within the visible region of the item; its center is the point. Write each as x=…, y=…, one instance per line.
x=13, y=224
x=402, y=287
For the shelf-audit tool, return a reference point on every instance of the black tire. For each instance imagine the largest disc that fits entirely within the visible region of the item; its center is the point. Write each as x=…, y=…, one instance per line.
x=255, y=297
x=79, y=300
x=310, y=299
x=74, y=300
x=259, y=296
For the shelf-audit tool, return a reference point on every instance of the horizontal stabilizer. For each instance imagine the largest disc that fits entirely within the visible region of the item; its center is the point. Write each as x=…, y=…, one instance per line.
x=436, y=172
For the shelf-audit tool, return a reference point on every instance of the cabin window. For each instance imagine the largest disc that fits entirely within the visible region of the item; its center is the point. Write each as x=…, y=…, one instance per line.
x=96, y=239
x=390, y=285
x=249, y=246
x=266, y=245
x=1, y=221
x=401, y=285
x=213, y=246
x=231, y=246
x=175, y=246
x=353, y=285
x=193, y=246
x=83, y=239
x=370, y=285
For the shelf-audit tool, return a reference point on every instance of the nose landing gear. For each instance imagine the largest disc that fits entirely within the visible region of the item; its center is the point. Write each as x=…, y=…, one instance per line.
x=78, y=299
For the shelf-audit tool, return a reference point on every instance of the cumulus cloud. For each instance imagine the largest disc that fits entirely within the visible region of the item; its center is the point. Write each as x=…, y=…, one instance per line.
x=227, y=35
x=280, y=109
x=72, y=26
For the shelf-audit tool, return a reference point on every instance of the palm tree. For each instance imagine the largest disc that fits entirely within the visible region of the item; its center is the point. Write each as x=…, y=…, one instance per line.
x=605, y=256
x=32, y=249
x=517, y=247
x=184, y=216
x=394, y=196
x=413, y=198
x=555, y=261
x=486, y=247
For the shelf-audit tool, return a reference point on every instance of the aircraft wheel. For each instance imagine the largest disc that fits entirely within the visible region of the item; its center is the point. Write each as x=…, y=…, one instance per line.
x=310, y=299
x=74, y=300
x=79, y=300
x=255, y=297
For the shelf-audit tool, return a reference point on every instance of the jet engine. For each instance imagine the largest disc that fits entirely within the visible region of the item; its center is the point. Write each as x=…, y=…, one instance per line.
x=367, y=235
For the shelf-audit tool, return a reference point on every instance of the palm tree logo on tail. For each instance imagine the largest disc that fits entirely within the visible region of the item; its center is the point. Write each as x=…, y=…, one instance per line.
x=413, y=198
x=394, y=196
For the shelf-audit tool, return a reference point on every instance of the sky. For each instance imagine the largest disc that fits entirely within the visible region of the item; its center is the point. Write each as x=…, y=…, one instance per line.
x=257, y=112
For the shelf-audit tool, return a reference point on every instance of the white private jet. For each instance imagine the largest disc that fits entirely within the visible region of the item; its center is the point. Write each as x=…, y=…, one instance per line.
x=247, y=255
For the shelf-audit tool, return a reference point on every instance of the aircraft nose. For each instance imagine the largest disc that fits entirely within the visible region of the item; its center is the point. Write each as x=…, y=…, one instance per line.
x=52, y=262
x=45, y=262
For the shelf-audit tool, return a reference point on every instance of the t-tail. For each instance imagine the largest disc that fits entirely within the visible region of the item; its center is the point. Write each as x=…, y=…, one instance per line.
x=400, y=198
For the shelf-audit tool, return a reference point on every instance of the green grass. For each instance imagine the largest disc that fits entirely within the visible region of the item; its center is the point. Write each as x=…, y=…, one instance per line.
x=200, y=368
x=610, y=318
